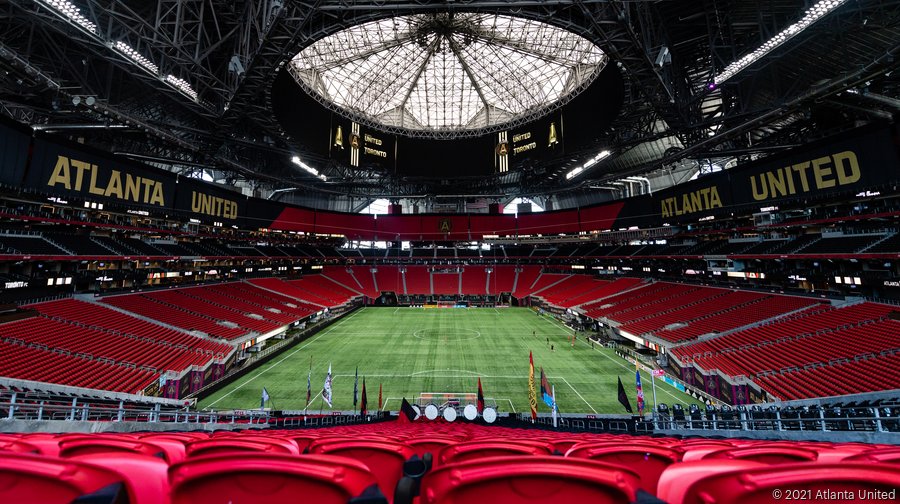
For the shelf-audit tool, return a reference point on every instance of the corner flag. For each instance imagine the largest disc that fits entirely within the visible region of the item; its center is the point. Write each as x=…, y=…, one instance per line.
x=623, y=397
x=265, y=397
x=363, y=402
x=546, y=391
x=309, y=383
x=480, y=401
x=640, y=389
x=532, y=400
x=326, y=390
x=356, y=387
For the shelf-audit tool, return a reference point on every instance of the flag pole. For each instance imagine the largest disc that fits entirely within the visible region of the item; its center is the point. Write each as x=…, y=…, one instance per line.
x=553, y=387
x=653, y=381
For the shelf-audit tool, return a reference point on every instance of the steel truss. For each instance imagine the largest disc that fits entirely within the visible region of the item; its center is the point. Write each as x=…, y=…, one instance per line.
x=229, y=53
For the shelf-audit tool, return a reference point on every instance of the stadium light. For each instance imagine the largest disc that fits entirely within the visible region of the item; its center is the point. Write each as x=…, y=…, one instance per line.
x=130, y=53
x=72, y=13
x=296, y=160
x=182, y=85
x=587, y=164
x=813, y=14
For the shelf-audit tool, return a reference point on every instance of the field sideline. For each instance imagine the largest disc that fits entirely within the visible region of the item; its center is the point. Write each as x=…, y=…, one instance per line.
x=412, y=350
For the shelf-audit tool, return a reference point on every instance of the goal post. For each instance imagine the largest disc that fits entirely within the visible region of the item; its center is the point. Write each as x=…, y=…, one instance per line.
x=456, y=400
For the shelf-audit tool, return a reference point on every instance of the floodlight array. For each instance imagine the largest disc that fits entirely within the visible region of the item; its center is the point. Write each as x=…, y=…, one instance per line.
x=296, y=160
x=135, y=56
x=73, y=13
x=817, y=11
x=182, y=85
x=587, y=164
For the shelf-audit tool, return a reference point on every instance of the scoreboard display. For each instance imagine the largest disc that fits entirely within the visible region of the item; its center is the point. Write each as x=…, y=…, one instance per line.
x=361, y=146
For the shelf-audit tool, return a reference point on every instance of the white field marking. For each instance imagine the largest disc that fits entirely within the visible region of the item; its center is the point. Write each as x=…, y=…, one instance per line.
x=627, y=367
x=288, y=356
x=502, y=377
x=439, y=370
x=511, y=406
x=477, y=334
x=395, y=310
x=579, y=395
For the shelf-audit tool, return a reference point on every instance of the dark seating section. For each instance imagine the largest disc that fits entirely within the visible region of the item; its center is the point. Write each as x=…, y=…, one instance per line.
x=78, y=244
x=28, y=245
x=140, y=247
x=847, y=244
x=432, y=463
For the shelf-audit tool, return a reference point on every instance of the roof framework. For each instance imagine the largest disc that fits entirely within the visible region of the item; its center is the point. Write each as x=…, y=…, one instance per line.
x=445, y=74
x=843, y=70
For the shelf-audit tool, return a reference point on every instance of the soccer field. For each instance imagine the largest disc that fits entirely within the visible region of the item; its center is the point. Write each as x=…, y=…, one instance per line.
x=412, y=350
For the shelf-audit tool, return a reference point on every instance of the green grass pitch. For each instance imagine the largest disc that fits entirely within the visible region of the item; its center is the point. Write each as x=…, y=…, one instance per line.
x=414, y=350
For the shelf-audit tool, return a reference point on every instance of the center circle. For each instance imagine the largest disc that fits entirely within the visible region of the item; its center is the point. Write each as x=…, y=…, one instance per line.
x=454, y=335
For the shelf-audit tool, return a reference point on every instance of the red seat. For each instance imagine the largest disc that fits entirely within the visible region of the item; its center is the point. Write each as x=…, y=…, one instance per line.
x=882, y=455
x=647, y=461
x=773, y=483
x=431, y=444
x=383, y=458
x=260, y=478
x=469, y=450
x=230, y=444
x=83, y=446
x=675, y=477
x=13, y=445
x=767, y=454
x=37, y=478
x=528, y=480
x=147, y=476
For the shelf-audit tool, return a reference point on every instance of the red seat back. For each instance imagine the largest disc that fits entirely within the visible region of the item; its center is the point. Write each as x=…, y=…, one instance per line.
x=83, y=446
x=231, y=444
x=773, y=483
x=527, y=480
x=647, y=461
x=259, y=478
x=767, y=454
x=37, y=478
x=469, y=450
x=383, y=458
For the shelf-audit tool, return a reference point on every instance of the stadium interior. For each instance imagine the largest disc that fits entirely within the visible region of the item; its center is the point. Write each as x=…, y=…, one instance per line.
x=513, y=218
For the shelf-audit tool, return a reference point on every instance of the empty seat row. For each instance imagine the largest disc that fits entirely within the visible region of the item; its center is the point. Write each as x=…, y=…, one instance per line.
x=433, y=462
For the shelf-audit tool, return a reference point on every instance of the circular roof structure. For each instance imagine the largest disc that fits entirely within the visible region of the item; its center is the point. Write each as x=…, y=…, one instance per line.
x=447, y=75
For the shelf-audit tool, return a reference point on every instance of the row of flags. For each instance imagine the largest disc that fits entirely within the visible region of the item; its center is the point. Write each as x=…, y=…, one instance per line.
x=547, y=391
x=549, y=397
x=358, y=399
x=623, y=397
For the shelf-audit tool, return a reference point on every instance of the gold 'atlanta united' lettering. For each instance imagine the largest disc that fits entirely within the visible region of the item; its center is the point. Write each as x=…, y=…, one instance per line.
x=71, y=174
x=821, y=173
x=692, y=202
x=213, y=205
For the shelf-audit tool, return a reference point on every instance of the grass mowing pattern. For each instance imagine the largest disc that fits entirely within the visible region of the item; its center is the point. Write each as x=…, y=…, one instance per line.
x=413, y=350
